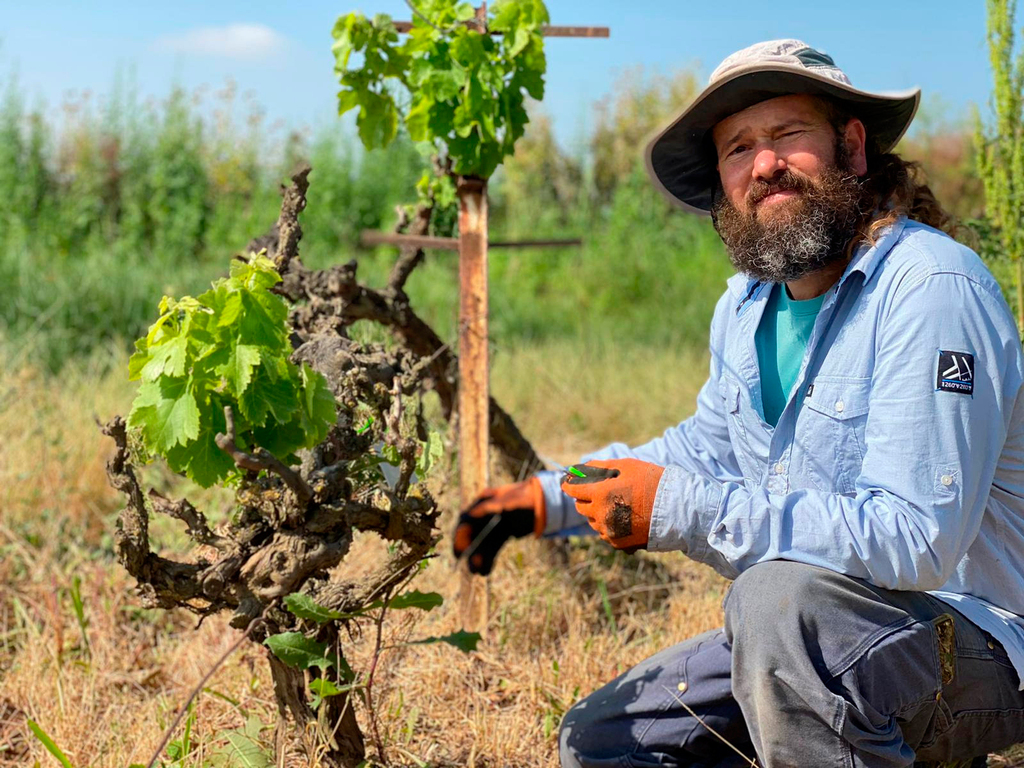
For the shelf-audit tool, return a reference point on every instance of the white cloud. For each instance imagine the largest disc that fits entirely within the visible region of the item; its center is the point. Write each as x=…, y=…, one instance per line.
x=233, y=41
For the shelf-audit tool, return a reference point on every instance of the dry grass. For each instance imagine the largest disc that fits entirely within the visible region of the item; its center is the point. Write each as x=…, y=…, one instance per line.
x=549, y=637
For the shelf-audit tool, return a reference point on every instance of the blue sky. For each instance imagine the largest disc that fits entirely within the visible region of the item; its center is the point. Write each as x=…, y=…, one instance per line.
x=281, y=51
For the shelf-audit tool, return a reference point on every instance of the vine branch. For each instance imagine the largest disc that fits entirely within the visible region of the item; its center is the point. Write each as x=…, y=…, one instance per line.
x=261, y=459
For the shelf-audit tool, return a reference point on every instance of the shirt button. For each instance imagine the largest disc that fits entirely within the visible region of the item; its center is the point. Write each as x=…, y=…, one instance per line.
x=681, y=687
x=991, y=646
x=779, y=468
x=839, y=406
x=946, y=480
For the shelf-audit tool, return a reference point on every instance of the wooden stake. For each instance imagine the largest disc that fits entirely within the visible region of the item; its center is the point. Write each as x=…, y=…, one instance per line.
x=473, y=374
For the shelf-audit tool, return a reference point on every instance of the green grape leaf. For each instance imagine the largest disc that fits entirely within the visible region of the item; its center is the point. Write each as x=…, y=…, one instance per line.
x=463, y=640
x=237, y=370
x=265, y=397
x=378, y=120
x=319, y=407
x=138, y=359
x=521, y=40
x=166, y=358
x=166, y=411
x=417, y=121
x=282, y=440
x=231, y=310
x=243, y=749
x=260, y=323
x=297, y=650
x=256, y=272
x=305, y=607
x=206, y=464
x=323, y=687
x=425, y=601
x=347, y=100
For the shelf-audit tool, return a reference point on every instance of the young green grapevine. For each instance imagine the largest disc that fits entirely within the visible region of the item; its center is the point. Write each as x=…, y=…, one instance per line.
x=227, y=347
x=466, y=89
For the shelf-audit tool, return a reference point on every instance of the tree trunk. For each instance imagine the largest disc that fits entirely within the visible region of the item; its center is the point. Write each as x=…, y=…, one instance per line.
x=345, y=748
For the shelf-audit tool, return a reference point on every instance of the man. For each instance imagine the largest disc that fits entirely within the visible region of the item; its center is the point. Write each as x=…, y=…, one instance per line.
x=855, y=461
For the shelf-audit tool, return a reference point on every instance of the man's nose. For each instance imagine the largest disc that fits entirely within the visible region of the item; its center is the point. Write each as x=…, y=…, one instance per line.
x=767, y=164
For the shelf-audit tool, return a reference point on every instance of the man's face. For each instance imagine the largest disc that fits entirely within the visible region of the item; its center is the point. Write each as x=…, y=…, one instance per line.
x=790, y=191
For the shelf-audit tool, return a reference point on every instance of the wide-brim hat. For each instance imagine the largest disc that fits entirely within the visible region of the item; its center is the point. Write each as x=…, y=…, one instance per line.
x=680, y=157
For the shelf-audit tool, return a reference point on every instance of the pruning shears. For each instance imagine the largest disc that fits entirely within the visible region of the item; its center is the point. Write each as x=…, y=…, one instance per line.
x=584, y=474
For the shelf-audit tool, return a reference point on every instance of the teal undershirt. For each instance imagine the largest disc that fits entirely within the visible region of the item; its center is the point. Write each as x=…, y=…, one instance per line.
x=781, y=340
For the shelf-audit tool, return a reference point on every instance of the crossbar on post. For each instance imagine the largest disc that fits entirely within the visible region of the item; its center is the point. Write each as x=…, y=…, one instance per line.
x=373, y=237
x=546, y=31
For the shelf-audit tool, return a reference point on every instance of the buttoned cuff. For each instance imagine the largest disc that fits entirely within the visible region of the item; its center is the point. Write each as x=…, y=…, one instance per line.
x=686, y=506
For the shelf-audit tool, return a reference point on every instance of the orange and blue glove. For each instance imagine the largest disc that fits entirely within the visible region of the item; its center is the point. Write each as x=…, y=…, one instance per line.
x=617, y=498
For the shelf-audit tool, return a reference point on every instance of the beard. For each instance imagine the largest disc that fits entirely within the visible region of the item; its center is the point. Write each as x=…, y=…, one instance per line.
x=794, y=237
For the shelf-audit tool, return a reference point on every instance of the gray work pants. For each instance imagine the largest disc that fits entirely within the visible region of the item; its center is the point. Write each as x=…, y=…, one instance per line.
x=812, y=669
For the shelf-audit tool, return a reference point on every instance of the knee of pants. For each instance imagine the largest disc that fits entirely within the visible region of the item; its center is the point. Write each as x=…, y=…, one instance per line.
x=574, y=735
x=592, y=735
x=769, y=597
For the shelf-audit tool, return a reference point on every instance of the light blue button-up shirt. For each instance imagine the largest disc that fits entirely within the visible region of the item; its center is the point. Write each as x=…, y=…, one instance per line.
x=898, y=458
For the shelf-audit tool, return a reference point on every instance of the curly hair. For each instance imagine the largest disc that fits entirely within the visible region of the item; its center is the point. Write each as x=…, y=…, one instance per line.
x=892, y=187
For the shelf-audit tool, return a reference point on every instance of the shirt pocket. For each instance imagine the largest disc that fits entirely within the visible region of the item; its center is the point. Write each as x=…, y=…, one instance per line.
x=830, y=432
x=732, y=394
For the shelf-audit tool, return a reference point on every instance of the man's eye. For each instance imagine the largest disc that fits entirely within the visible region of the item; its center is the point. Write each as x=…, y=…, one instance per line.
x=737, y=149
x=791, y=133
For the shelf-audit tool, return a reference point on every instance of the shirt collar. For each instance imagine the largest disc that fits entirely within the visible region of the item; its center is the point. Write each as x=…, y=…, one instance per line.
x=866, y=259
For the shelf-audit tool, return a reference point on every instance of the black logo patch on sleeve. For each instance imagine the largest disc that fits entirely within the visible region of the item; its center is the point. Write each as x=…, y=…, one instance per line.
x=955, y=372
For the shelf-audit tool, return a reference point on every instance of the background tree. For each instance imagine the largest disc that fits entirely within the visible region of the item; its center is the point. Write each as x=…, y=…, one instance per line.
x=1000, y=154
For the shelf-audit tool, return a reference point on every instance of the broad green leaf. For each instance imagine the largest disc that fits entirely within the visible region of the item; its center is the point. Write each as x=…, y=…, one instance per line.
x=323, y=687
x=256, y=272
x=167, y=316
x=282, y=440
x=264, y=397
x=256, y=326
x=243, y=749
x=445, y=84
x=237, y=371
x=320, y=411
x=206, y=464
x=303, y=606
x=138, y=359
x=247, y=752
x=347, y=100
x=506, y=15
x=417, y=121
x=167, y=412
x=520, y=41
x=425, y=601
x=463, y=640
x=297, y=650
x=166, y=359
x=377, y=121
x=232, y=309
x=344, y=44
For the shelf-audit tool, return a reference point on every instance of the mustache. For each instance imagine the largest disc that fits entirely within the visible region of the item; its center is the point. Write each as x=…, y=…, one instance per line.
x=787, y=181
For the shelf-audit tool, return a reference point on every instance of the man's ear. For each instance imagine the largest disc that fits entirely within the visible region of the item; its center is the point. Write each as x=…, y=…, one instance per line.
x=855, y=137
